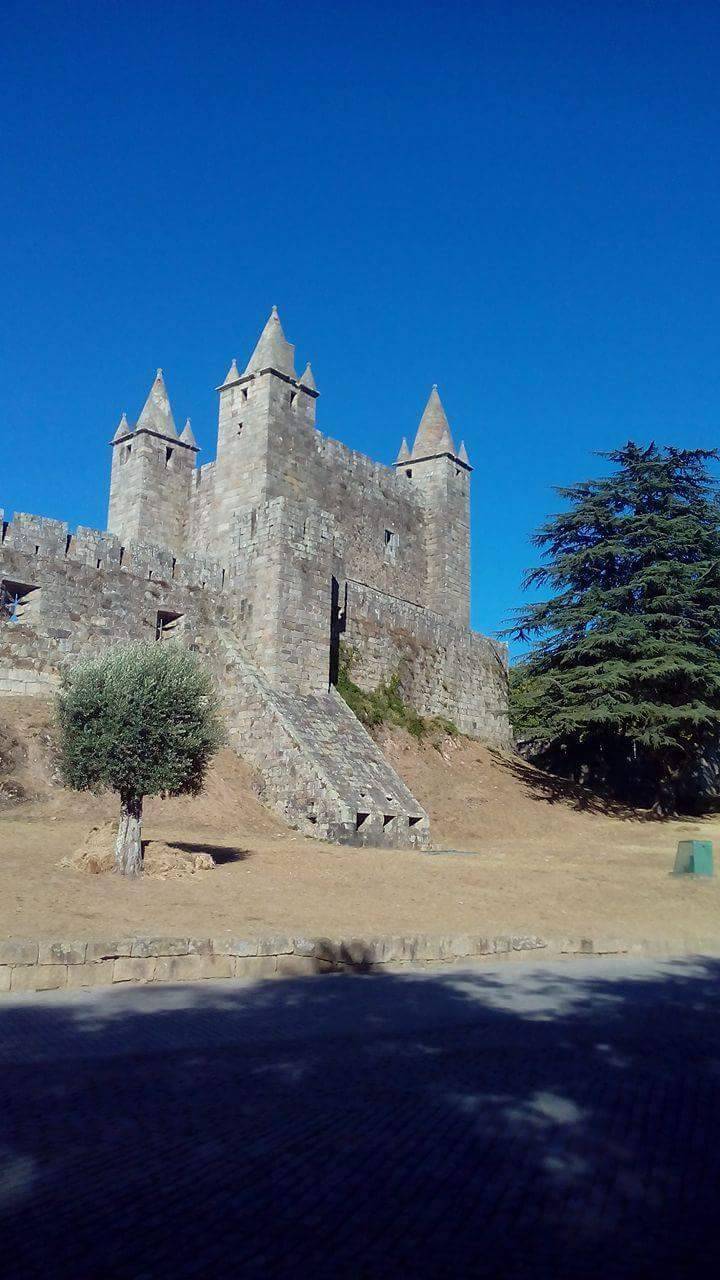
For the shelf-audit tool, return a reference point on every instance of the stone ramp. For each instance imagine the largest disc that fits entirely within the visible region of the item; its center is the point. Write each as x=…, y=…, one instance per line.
x=320, y=769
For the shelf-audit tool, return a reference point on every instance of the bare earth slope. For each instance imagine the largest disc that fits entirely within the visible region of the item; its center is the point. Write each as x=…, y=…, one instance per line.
x=546, y=858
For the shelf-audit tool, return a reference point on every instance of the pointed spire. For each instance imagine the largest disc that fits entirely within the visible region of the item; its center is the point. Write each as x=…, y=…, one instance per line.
x=307, y=379
x=232, y=374
x=433, y=434
x=124, y=429
x=273, y=351
x=157, y=414
x=186, y=435
x=404, y=452
x=463, y=454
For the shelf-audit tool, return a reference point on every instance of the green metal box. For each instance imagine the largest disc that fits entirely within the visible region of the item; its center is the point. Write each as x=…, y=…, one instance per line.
x=694, y=857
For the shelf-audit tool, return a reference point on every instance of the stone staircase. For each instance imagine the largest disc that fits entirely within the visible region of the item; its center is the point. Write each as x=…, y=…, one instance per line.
x=320, y=770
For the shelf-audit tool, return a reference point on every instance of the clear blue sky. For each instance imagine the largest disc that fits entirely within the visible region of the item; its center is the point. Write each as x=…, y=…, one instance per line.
x=518, y=201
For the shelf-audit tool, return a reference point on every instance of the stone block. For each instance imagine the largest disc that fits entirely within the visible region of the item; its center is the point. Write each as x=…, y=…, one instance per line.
x=108, y=949
x=190, y=967
x=255, y=967
x=62, y=953
x=18, y=951
x=97, y=974
x=529, y=943
x=304, y=946
x=235, y=946
x=276, y=945
x=38, y=977
x=200, y=946
x=5, y=975
x=133, y=969
x=145, y=947
x=295, y=966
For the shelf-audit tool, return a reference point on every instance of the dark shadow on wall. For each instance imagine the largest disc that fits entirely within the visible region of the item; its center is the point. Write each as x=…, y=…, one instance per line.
x=472, y=1124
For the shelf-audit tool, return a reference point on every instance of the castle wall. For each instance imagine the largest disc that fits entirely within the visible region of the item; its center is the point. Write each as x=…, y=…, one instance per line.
x=90, y=591
x=364, y=499
x=444, y=669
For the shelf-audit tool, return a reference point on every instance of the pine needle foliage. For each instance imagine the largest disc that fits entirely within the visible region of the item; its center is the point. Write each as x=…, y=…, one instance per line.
x=622, y=682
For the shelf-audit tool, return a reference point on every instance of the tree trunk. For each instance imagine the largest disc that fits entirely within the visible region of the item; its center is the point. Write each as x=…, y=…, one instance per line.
x=128, y=846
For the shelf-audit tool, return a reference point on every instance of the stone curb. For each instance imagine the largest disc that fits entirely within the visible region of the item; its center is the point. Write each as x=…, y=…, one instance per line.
x=45, y=965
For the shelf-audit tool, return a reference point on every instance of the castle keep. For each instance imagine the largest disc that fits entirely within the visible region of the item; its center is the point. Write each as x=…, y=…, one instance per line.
x=266, y=561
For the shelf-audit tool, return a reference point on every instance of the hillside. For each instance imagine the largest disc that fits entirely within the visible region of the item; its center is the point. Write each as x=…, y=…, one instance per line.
x=546, y=858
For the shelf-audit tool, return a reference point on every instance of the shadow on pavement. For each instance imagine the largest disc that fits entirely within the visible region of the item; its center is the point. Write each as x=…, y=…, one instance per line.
x=539, y=1121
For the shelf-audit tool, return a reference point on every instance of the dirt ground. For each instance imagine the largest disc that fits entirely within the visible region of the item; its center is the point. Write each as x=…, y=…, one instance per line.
x=540, y=857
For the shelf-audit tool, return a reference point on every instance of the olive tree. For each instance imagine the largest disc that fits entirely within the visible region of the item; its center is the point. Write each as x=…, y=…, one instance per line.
x=142, y=719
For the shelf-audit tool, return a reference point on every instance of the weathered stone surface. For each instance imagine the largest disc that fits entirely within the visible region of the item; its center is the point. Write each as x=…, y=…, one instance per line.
x=97, y=974
x=108, y=948
x=200, y=946
x=38, y=977
x=189, y=967
x=5, y=975
x=255, y=967
x=278, y=944
x=62, y=953
x=236, y=946
x=18, y=951
x=159, y=947
x=295, y=966
x=133, y=969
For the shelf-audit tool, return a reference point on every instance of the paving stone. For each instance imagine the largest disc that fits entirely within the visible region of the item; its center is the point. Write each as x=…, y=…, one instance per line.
x=187, y=968
x=40, y=977
x=276, y=945
x=18, y=951
x=159, y=947
x=255, y=966
x=108, y=948
x=236, y=946
x=97, y=974
x=62, y=952
x=133, y=969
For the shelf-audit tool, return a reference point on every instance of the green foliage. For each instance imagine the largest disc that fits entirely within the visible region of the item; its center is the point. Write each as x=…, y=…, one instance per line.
x=140, y=720
x=624, y=671
x=385, y=705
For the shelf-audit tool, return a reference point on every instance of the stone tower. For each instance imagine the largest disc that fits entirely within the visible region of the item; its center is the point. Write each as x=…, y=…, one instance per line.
x=440, y=475
x=151, y=474
x=258, y=409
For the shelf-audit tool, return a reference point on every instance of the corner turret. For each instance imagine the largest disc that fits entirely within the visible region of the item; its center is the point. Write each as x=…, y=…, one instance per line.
x=151, y=474
x=441, y=476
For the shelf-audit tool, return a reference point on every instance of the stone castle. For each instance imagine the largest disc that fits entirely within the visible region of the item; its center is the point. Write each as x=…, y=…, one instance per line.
x=267, y=561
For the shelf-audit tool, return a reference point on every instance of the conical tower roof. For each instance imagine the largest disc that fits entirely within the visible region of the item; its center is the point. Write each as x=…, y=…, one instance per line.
x=307, y=379
x=433, y=434
x=186, y=435
x=273, y=350
x=123, y=429
x=232, y=374
x=403, y=452
x=157, y=414
x=463, y=454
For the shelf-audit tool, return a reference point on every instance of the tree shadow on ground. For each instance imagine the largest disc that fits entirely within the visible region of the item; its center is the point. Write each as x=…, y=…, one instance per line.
x=554, y=789
x=220, y=853
x=540, y=1121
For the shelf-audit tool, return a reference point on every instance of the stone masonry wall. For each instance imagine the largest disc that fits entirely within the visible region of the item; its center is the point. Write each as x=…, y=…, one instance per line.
x=444, y=670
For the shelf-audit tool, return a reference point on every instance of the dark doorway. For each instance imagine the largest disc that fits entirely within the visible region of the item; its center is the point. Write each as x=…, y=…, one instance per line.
x=338, y=613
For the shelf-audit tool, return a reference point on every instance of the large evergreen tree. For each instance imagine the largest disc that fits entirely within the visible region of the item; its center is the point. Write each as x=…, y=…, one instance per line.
x=622, y=683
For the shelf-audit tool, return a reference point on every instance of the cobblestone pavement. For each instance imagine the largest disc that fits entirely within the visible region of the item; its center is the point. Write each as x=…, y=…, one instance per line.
x=515, y=1120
